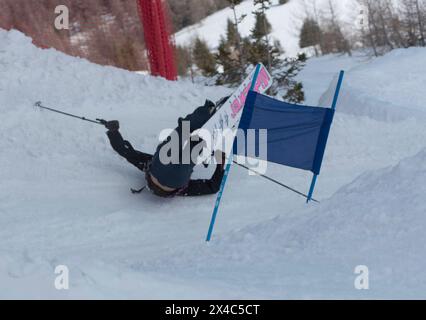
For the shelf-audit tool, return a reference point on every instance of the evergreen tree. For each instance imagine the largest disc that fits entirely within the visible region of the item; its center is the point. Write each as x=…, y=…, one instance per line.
x=232, y=36
x=295, y=94
x=310, y=35
x=260, y=33
x=231, y=55
x=262, y=27
x=285, y=79
x=184, y=61
x=203, y=58
x=258, y=48
x=261, y=49
x=227, y=57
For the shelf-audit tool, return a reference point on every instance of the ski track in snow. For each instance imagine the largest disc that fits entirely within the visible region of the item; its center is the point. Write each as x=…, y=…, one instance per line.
x=64, y=196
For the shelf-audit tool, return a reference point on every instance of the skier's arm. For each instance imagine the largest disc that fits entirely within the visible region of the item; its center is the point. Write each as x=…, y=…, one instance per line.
x=208, y=186
x=199, y=117
x=125, y=149
x=205, y=186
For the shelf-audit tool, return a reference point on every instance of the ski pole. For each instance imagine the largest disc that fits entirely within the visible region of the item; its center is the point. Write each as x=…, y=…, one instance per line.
x=98, y=121
x=275, y=181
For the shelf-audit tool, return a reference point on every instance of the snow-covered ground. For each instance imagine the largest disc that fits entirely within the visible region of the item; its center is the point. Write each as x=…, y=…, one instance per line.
x=286, y=21
x=65, y=200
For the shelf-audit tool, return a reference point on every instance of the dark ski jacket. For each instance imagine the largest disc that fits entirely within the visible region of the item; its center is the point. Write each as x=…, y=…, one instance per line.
x=177, y=175
x=173, y=175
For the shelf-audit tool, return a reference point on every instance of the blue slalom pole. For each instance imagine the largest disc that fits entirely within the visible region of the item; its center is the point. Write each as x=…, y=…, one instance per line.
x=227, y=169
x=312, y=188
x=218, y=199
x=333, y=106
x=339, y=86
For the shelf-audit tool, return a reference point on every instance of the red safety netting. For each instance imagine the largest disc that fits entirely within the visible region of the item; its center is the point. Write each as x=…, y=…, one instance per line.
x=158, y=38
x=105, y=32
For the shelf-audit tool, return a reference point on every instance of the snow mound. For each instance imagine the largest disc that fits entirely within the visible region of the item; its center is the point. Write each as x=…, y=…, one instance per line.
x=378, y=221
x=76, y=84
x=384, y=90
x=144, y=104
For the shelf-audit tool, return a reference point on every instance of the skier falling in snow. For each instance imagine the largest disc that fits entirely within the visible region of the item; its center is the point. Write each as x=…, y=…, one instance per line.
x=169, y=180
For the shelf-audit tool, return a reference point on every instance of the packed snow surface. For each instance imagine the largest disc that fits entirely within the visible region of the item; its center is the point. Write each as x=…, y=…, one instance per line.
x=65, y=199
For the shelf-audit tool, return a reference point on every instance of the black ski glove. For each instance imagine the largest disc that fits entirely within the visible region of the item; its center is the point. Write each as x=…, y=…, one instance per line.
x=112, y=125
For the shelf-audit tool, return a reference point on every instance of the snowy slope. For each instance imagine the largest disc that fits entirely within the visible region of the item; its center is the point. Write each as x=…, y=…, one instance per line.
x=381, y=100
x=378, y=220
x=64, y=194
x=286, y=21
